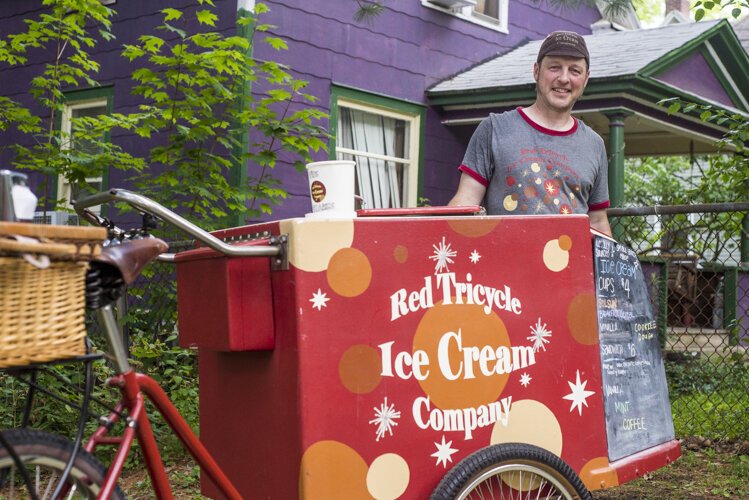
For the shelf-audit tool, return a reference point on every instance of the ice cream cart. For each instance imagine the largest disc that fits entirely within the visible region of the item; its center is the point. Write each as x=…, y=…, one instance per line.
x=388, y=356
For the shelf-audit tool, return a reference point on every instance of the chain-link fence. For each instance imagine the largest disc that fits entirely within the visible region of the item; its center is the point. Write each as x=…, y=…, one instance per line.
x=699, y=282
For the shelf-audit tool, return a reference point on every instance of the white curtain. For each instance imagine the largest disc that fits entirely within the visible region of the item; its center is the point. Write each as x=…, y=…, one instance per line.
x=378, y=181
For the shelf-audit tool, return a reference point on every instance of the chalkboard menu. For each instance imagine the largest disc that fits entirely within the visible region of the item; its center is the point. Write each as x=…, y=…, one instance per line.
x=635, y=394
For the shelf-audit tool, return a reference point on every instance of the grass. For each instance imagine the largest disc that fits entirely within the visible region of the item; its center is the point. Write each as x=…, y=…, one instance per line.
x=721, y=414
x=701, y=473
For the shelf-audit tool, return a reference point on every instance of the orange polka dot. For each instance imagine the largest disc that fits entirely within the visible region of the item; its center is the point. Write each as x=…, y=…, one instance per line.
x=400, y=253
x=565, y=242
x=582, y=319
x=597, y=474
x=349, y=272
x=473, y=228
x=359, y=369
x=476, y=329
x=332, y=470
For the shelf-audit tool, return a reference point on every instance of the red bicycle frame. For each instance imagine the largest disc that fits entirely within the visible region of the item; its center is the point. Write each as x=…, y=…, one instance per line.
x=133, y=387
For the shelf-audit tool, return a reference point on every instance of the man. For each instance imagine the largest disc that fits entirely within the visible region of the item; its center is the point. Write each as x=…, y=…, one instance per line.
x=540, y=159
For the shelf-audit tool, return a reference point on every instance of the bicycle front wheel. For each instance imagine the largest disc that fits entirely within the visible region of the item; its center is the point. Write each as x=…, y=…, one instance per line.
x=44, y=457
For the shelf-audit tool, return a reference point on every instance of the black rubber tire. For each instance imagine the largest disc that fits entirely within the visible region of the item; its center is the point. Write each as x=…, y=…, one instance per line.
x=479, y=469
x=49, y=453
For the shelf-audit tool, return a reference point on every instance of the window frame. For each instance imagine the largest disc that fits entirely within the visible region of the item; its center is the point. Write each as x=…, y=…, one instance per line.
x=475, y=17
x=412, y=113
x=81, y=99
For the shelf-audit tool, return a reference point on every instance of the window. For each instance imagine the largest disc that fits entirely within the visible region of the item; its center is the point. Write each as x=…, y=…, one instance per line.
x=489, y=13
x=384, y=144
x=488, y=9
x=71, y=110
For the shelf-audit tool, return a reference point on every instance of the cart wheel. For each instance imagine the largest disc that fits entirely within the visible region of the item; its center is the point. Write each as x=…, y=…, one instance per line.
x=511, y=471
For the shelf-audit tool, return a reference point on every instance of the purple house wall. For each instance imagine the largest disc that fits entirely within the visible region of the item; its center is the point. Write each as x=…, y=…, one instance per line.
x=707, y=86
x=408, y=48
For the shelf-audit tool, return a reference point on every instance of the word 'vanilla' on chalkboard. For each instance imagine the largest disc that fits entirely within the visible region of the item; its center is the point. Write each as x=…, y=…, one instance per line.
x=635, y=394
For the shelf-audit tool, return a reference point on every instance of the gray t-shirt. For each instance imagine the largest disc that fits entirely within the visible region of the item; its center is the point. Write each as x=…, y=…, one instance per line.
x=529, y=169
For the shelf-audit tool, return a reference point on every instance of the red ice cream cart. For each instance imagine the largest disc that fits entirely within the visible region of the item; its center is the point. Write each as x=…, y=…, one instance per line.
x=381, y=351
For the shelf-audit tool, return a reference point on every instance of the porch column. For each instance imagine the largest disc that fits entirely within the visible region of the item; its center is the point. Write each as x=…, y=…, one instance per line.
x=616, y=155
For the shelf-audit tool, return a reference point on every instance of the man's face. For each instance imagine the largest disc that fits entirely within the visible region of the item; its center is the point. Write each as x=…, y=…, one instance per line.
x=560, y=81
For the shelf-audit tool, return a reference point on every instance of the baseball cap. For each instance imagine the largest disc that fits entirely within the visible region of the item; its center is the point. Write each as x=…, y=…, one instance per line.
x=564, y=43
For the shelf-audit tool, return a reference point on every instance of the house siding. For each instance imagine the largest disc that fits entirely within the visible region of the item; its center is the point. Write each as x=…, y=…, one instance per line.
x=400, y=54
x=682, y=76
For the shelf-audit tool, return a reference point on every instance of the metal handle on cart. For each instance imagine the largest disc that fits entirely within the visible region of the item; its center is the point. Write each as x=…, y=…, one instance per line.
x=149, y=206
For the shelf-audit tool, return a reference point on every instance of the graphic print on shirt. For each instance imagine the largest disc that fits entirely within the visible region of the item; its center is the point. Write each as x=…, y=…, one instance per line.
x=541, y=181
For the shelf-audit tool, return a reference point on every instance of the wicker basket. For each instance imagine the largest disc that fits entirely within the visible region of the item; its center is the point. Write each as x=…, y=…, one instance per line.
x=42, y=309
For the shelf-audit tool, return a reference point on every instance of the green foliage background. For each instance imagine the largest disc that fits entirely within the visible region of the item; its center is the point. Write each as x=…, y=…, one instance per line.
x=194, y=116
x=191, y=139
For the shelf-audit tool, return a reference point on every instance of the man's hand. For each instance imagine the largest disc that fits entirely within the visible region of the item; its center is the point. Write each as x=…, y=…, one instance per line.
x=600, y=221
x=470, y=192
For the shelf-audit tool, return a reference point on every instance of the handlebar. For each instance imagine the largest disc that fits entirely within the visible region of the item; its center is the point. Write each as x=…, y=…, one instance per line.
x=149, y=206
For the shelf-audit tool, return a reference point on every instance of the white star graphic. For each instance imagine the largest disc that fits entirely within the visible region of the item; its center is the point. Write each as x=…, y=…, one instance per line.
x=442, y=256
x=475, y=256
x=579, y=395
x=525, y=379
x=444, y=452
x=385, y=419
x=319, y=300
x=539, y=336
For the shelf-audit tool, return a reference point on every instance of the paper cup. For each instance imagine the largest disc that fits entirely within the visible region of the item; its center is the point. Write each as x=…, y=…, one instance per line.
x=331, y=187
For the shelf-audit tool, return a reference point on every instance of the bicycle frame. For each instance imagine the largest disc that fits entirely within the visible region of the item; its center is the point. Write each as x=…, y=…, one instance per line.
x=135, y=387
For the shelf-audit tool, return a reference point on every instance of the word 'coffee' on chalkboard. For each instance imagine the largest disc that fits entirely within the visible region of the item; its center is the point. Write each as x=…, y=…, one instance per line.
x=635, y=394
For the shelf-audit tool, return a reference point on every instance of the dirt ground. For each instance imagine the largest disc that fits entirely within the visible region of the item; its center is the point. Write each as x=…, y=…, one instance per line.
x=707, y=470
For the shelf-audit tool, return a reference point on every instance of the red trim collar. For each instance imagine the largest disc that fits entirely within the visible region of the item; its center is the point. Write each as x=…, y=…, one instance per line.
x=545, y=130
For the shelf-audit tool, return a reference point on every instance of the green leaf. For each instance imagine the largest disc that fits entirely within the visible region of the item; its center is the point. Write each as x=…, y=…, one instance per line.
x=168, y=27
x=736, y=12
x=132, y=52
x=705, y=115
x=673, y=108
x=151, y=43
x=276, y=43
x=699, y=14
x=206, y=17
x=170, y=14
x=106, y=35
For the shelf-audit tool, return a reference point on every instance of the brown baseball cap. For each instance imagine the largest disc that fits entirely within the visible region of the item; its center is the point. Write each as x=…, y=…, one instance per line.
x=564, y=43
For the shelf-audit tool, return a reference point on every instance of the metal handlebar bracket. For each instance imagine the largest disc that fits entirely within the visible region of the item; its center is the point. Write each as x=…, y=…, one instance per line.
x=147, y=205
